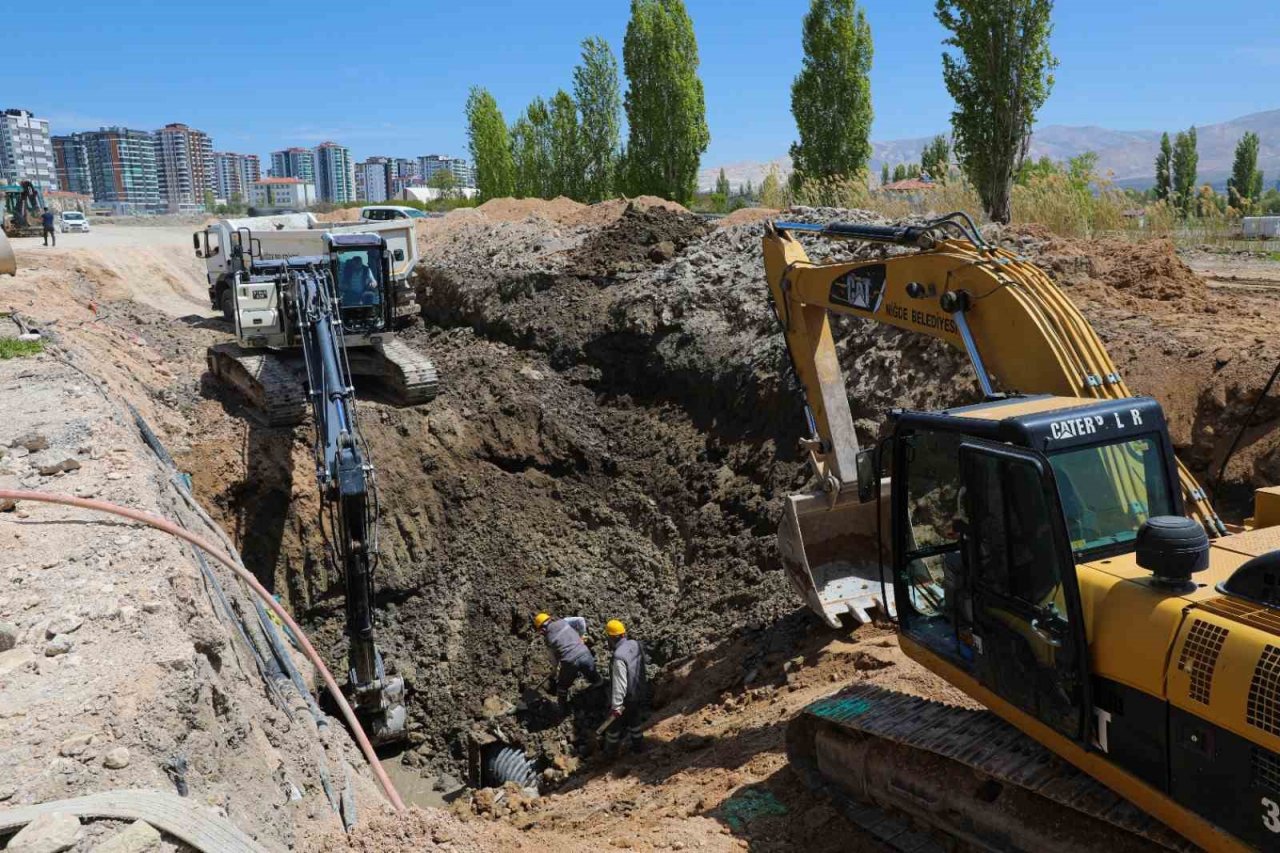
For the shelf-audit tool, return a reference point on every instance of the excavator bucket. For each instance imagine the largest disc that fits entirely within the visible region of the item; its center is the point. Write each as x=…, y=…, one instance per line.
x=8, y=263
x=829, y=553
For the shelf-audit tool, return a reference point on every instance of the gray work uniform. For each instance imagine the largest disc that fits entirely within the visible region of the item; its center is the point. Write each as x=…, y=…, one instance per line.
x=627, y=690
x=569, y=654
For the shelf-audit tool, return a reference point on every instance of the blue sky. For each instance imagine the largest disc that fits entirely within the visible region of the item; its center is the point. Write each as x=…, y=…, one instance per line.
x=265, y=75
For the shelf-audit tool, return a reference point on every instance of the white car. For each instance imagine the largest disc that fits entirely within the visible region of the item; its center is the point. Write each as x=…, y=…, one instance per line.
x=384, y=212
x=73, y=220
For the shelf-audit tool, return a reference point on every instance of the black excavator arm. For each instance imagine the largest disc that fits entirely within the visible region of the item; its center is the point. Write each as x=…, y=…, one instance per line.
x=346, y=477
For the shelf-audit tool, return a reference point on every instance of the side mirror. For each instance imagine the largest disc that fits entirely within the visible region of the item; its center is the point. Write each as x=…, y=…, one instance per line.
x=868, y=475
x=398, y=254
x=195, y=244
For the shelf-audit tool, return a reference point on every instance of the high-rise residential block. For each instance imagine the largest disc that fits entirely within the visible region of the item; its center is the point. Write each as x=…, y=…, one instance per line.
x=122, y=169
x=375, y=179
x=235, y=174
x=184, y=163
x=335, y=173
x=431, y=164
x=26, y=150
x=294, y=163
x=71, y=162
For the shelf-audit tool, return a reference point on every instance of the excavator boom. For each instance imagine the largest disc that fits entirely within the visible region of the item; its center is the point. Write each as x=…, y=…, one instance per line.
x=1019, y=331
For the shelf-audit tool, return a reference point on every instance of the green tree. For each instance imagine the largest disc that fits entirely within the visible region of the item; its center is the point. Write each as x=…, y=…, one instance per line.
x=595, y=88
x=1164, y=173
x=531, y=151
x=446, y=182
x=935, y=160
x=722, y=184
x=831, y=96
x=1183, y=168
x=490, y=145
x=1001, y=76
x=566, y=148
x=884, y=173
x=666, y=109
x=772, y=193
x=210, y=200
x=1245, y=184
x=899, y=172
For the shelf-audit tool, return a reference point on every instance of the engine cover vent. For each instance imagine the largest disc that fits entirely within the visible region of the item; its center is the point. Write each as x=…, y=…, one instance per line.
x=1263, y=709
x=1199, y=657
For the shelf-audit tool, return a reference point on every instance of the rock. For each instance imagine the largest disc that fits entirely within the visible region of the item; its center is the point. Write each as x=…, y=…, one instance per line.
x=496, y=706
x=31, y=442
x=567, y=763
x=137, y=837
x=63, y=625
x=442, y=835
x=75, y=745
x=483, y=801
x=49, y=833
x=14, y=660
x=59, y=645
x=57, y=466
x=663, y=251
x=8, y=505
x=151, y=606
x=446, y=783
x=8, y=636
x=116, y=759
x=7, y=791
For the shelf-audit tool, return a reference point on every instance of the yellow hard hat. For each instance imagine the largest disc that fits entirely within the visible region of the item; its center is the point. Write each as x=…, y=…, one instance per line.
x=541, y=619
x=615, y=628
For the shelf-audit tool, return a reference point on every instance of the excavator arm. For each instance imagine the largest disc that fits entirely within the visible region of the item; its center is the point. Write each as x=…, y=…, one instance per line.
x=1020, y=332
x=345, y=476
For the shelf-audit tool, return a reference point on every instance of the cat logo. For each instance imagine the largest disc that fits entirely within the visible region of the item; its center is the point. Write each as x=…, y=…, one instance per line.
x=859, y=288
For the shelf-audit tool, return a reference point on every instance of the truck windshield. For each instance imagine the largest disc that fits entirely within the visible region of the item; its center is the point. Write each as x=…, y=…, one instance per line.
x=1109, y=490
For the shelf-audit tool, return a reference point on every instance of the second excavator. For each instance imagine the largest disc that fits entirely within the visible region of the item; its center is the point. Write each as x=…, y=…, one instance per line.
x=263, y=363
x=1042, y=550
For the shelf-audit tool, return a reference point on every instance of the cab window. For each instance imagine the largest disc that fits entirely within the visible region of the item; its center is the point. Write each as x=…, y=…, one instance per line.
x=1109, y=490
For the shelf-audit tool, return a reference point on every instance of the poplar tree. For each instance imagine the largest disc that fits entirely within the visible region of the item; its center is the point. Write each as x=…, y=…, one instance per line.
x=489, y=144
x=1164, y=159
x=884, y=173
x=936, y=158
x=1000, y=76
x=1245, y=184
x=595, y=88
x=566, y=149
x=531, y=151
x=1184, y=168
x=665, y=105
x=831, y=96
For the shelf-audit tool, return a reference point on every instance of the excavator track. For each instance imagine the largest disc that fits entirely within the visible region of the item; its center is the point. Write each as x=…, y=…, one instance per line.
x=897, y=763
x=275, y=393
x=409, y=375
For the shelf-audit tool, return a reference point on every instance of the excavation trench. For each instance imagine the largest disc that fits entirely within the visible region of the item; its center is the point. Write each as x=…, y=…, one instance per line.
x=615, y=432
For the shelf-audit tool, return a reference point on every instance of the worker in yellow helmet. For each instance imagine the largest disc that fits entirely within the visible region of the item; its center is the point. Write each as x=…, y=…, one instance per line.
x=568, y=652
x=628, y=688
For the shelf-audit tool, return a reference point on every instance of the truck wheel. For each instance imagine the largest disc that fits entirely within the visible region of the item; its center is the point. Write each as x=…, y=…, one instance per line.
x=228, y=303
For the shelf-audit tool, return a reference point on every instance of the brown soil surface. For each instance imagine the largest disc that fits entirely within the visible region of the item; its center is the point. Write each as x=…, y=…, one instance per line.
x=614, y=437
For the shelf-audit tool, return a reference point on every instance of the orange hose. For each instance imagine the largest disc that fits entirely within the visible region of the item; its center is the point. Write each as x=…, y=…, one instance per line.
x=200, y=542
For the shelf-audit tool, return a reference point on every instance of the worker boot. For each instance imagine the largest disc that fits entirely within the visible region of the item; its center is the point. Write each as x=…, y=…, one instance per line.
x=637, y=744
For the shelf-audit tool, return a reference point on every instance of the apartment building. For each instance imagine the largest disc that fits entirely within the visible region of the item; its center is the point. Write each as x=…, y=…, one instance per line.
x=294, y=163
x=292, y=193
x=335, y=173
x=235, y=174
x=71, y=163
x=185, y=167
x=122, y=169
x=26, y=151
x=375, y=179
x=430, y=164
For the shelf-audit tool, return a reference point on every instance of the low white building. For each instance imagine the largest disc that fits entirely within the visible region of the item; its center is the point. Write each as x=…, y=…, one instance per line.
x=431, y=193
x=283, y=192
x=1262, y=227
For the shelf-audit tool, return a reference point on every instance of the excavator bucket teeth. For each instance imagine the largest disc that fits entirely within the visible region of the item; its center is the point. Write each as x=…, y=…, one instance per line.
x=829, y=553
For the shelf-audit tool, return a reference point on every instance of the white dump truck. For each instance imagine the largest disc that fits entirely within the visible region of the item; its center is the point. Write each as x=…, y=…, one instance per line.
x=231, y=246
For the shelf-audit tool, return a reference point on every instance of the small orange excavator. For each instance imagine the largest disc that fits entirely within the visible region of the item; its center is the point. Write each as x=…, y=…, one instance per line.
x=1042, y=550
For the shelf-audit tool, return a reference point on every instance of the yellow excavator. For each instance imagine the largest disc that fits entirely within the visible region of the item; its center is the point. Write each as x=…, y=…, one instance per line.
x=1043, y=551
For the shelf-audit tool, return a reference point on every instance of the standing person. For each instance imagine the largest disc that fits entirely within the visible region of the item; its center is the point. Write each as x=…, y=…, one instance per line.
x=627, y=689
x=568, y=653
x=46, y=226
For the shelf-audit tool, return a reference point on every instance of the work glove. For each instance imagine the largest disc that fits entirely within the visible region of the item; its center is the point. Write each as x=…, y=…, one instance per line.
x=615, y=713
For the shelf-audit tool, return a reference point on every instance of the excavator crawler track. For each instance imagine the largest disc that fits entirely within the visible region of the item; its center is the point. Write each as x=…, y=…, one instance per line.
x=275, y=393
x=408, y=375
x=897, y=763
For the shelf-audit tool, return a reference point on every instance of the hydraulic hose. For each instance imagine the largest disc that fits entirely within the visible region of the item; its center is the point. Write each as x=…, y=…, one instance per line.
x=212, y=550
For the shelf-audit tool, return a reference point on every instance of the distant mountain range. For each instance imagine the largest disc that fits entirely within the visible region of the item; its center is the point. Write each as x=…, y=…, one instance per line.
x=1129, y=155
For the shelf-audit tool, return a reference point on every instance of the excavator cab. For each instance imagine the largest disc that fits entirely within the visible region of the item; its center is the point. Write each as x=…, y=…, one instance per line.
x=992, y=507
x=361, y=271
